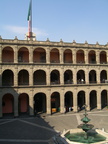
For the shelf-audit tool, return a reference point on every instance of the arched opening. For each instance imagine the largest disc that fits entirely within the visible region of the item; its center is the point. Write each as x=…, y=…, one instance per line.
x=55, y=102
x=23, y=103
x=92, y=57
x=54, y=56
x=80, y=56
x=7, y=78
x=39, y=103
x=68, y=56
x=39, y=55
x=8, y=104
x=68, y=101
x=103, y=76
x=93, y=99
x=92, y=76
x=55, y=77
x=7, y=55
x=68, y=77
x=103, y=57
x=23, y=55
x=81, y=100
x=80, y=77
x=104, y=102
x=23, y=77
x=39, y=77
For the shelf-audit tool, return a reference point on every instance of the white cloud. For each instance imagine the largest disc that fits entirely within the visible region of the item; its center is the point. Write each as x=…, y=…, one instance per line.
x=23, y=30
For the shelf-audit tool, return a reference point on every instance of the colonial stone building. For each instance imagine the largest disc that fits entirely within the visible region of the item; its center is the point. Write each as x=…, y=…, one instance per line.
x=47, y=77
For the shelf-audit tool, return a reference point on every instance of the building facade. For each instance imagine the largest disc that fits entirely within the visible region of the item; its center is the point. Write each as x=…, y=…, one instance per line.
x=47, y=77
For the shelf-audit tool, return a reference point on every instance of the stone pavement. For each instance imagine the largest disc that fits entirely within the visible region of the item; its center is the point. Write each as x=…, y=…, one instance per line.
x=39, y=130
x=67, y=121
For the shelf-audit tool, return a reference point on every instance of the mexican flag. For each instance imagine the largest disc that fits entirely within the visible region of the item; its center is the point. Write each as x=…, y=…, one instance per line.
x=29, y=18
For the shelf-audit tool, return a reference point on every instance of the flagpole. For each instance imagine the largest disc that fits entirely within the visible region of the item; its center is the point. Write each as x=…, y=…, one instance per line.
x=30, y=20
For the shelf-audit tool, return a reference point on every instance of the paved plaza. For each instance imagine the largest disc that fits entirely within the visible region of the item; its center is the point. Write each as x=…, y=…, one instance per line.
x=39, y=130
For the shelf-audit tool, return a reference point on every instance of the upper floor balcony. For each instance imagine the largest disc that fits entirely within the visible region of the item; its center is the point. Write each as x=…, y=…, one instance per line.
x=53, y=56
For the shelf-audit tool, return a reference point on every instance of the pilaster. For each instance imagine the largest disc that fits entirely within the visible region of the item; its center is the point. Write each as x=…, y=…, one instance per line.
x=48, y=56
x=31, y=76
x=49, y=101
x=16, y=54
x=62, y=107
x=75, y=105
x=16, y=105
x=99, y=99
x=31, y=103
x=31, y=55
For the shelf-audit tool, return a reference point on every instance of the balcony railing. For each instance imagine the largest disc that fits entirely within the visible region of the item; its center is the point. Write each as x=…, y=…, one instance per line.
x=55, y=82
x=39, y=61
x=68, y=82
x=39, y=83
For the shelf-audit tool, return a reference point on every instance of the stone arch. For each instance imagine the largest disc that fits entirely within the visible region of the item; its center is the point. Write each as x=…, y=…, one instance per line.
x=39, y=55
x=23, y=103
x=8, y=104
x=92, y=56
x=54, y=56
x=81, y=100
x=68, y=77
x=81, y=77
x=92, y=76
x=7, y=78
x=39, y=103
x=39, y=77
x=67, y=55
x=23, y=77
x=103, y=57
x=23, y=55
x=55, y=77
x=104, y=99
x=68, y=101
x=103, y=76
x=93, y=99
x=55, y=102
x=8, y=55
x=80, y=56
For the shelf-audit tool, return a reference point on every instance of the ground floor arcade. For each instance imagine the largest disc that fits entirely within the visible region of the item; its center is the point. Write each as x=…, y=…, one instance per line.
x=31, y=101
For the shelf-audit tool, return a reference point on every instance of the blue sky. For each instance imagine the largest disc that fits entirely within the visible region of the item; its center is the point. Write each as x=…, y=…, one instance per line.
x=79, y=20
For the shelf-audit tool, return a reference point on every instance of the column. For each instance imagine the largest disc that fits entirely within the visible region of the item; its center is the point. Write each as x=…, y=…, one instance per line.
x=97, y=57
x=62, y=76
x=74, y=56
x=86, y=56
x=98, y=75
x=16, y=54
x=99, y=99
x=87, y=97
x=31, y=55
x=48, y=101
x=48, y=56
x=31, y=76
x=48, y=76
x=75, y=105
x=16, y=105
x=31, y=103
x=62, y=106
x=87, y=76
x=75, y=76
x=16, y=76
x=61, y=56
